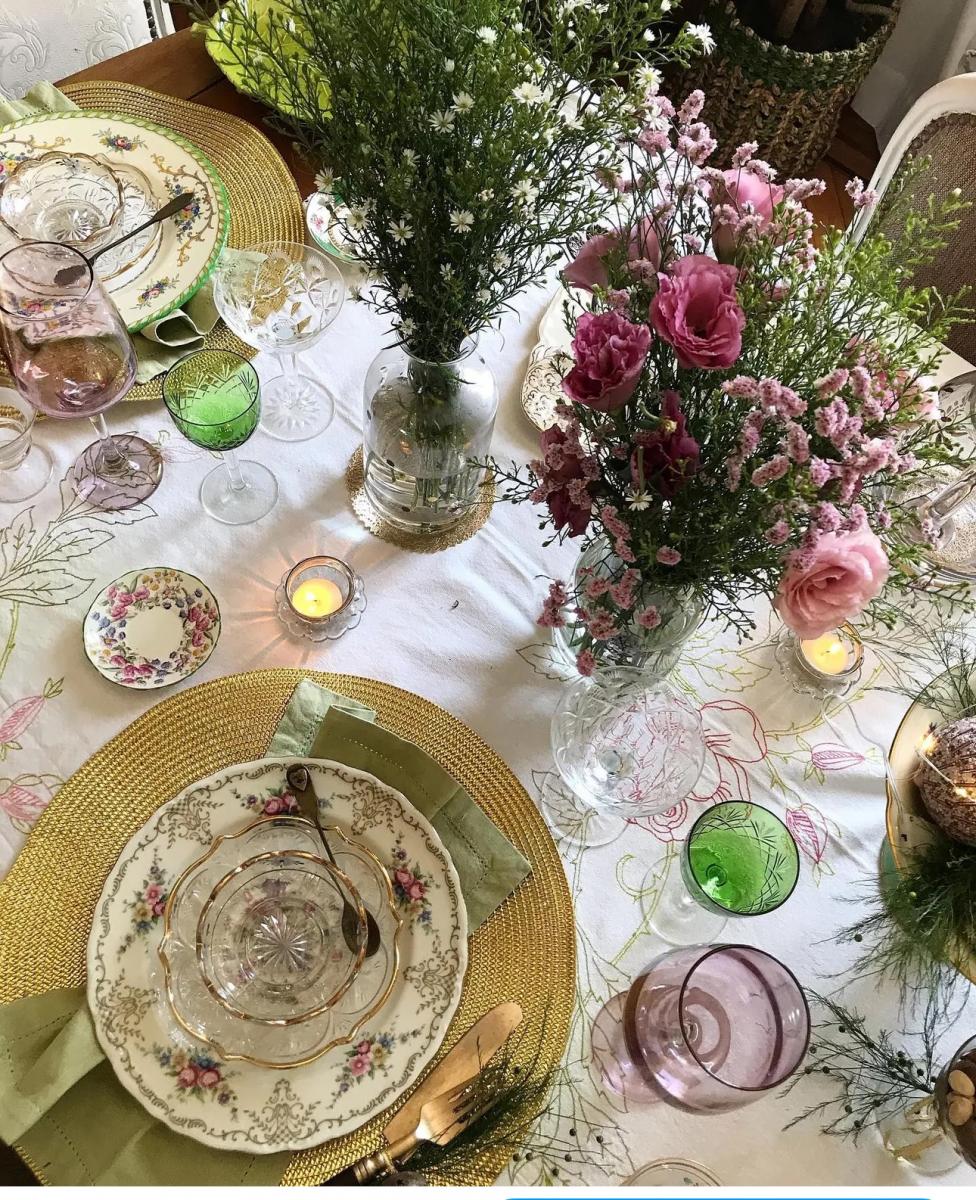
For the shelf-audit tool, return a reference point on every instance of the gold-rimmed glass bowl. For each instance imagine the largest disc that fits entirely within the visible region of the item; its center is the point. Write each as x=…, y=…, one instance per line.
x=73, y=199
x=269, y=939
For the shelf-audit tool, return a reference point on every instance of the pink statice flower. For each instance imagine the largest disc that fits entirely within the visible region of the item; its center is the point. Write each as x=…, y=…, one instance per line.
x=585, y=662
x=668, y=556
x=649, y=618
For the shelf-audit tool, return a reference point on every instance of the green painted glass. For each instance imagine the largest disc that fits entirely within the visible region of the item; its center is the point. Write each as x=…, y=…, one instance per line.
x=214, y=399
x=740, y=859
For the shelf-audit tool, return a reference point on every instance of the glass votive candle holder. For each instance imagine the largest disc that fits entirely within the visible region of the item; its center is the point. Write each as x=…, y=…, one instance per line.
x=320, y=598
x=829, y=665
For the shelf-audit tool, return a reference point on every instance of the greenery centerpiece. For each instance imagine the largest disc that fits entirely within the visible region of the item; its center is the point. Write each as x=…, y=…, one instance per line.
x=746, y=412
x=458, y=147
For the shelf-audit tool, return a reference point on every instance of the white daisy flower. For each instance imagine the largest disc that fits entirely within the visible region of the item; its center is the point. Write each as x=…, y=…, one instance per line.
x=400, y=231
x=524, y=192
x=638, y=501
x=486, y=195
x=501, y=261
x=463, y=103
x=462, y=220
x=408, y=326
x=447, y=270
x=483, y=296
x=528, y=93
x=324, y=180
x=449, y=65
x=487, y=35
x=648, y=35
x=441, y=122
x=666, y=6
x=649, y=78
x=703, y=35
x=404, y=292
x=409, y=158
x=357, y=216
x=519, y=27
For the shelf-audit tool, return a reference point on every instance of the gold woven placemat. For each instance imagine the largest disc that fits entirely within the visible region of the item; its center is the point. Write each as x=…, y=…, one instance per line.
x=265, y=205
x=525, y=951
x=422, y=543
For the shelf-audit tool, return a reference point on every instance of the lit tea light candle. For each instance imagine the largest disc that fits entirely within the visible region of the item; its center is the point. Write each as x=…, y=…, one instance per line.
x=315, y=598
x=828, y=654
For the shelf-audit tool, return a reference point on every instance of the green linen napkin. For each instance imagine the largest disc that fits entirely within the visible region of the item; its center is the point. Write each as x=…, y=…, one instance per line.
x=61, y=1102
x=166, y=341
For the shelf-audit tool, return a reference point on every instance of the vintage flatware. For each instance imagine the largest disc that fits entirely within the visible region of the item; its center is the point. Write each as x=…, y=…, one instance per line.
x=300, y=781
x=68, y=275
x=456, y=1071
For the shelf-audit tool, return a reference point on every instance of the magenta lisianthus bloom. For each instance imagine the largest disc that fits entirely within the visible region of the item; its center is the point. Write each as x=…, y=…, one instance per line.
x=610, y=352
x=667, y=457
x=696, y=310
x=838, y=576
x=748, y=194
x=588, y=269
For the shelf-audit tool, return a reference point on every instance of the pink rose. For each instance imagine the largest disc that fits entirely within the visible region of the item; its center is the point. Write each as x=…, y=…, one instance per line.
x=272, y=806
x=416, y=890
x=159, y=907
x=697, y=312
x=749, y=194
x=403, y=877
x=589, y=268
x=845, y=571
x=363, y=1049
x=187, y=1077
x=209, y=1078
x=358, y=1066
x=610, y=353
x=153, y=892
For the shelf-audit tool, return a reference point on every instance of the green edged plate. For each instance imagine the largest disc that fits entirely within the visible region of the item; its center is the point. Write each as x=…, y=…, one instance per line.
x=161, y=274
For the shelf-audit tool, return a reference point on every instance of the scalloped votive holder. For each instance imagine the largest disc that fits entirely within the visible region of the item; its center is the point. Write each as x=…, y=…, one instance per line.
x=320, y=598
x=827, y=666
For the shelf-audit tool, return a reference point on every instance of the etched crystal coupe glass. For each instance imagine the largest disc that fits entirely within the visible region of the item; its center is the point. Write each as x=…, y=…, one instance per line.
x=282, y=297
x=214, y=399
x=626, y=746
x=71, y=356
x=739, y=860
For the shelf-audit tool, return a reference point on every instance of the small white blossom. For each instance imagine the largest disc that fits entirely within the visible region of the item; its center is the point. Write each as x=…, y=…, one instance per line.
x=408, y=326
x=400, y=231
x=519, y=27
x=501, y=261
x=487, y=35
x=570, y=34
x=357, y=216
x=638, y=501
x=648, y=78
x=463, y=103
x=703, y=35
x=356, y=292
x=666, y=6
x=462, y=220
x=409, y=158
x=324, y=180
x=528, y=93
x=441, y=122
x=447, y=270
x=648, y=35
x=483, y=295
x=449, y=65
x=524, y=192
x=404, y=292
x=486, y=195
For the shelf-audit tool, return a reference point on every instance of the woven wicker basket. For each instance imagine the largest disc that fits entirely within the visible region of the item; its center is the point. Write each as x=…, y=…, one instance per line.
x=787, y=101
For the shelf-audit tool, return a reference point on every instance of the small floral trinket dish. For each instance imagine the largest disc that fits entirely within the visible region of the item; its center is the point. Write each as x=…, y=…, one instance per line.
x=151, y=628
x=327, y=232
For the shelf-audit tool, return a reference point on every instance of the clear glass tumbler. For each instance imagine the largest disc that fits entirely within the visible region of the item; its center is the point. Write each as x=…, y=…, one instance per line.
x=24, y=468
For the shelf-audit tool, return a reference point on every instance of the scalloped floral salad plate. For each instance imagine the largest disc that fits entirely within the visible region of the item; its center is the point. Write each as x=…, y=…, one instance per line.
x=151, y=628
x=159, y=270
x=239, y=1105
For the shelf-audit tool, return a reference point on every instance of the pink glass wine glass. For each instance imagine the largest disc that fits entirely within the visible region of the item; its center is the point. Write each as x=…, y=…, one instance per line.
x=70, y=355
x=705, y=1028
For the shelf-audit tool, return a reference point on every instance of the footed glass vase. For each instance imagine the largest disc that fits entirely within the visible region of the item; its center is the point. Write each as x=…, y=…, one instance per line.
x=655, y=651
x=425, y=426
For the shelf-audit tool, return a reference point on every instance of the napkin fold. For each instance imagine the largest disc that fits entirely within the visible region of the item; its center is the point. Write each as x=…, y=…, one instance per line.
x=60, y=1100
x=159, y=345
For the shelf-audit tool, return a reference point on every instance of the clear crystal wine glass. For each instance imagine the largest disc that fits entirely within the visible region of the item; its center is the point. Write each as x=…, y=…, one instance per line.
x=626, y=746
x=214, y=399
x=282, y=297
x=70, y=355
x=24, y=467
x=739, y=860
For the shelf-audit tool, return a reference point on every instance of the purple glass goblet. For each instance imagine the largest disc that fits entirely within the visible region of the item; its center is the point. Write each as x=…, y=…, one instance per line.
x=707, y=1029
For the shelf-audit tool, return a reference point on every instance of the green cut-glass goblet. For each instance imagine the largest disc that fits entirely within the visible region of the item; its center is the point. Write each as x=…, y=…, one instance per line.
x=214, y=399
x=739, y=860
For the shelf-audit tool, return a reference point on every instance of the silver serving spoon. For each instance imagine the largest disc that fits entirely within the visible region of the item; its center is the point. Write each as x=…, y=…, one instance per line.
x=69, y=275
x=300, y=781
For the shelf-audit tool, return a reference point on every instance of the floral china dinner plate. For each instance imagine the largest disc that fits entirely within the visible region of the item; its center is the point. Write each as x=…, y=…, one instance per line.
x=161, y=269
x=236, y=1105
x=151, y=628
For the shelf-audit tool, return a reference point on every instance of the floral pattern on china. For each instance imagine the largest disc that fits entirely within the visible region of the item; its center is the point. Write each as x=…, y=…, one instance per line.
x=181, y=255
x=188, y=1085
x=152, y=628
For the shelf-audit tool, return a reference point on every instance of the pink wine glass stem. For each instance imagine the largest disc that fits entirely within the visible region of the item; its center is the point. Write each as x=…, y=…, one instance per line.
x=112, y=457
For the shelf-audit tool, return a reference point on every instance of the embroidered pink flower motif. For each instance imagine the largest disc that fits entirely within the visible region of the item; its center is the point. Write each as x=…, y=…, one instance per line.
x=697, y=311
x=734, y=740
x=809, y=829
x=666, y=826
x=828, y=757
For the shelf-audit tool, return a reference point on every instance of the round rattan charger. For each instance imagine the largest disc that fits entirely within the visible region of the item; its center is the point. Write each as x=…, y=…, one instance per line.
x=47, y=900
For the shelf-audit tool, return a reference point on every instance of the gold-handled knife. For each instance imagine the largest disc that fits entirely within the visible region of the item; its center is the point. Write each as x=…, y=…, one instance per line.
x=462, y=1064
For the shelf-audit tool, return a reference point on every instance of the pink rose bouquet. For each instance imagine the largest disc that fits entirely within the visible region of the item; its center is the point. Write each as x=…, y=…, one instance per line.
x=745, y=407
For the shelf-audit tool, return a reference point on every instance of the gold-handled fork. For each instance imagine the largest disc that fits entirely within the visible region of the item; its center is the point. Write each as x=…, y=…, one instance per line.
x=440, y=1120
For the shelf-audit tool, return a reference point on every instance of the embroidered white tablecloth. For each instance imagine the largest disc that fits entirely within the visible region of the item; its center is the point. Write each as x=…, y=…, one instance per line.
x=459, y=627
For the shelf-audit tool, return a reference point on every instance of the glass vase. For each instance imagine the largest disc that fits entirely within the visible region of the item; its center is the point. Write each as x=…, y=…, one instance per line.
x=655, y=651
x=426, y=425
